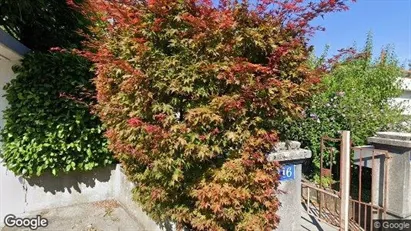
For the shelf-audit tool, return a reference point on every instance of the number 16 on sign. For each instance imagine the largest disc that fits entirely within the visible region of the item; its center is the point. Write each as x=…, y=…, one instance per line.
x=287, y=172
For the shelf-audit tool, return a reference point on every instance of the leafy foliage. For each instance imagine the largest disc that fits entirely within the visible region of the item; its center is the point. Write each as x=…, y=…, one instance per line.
x=41, y=24
x=355, y=96
x=191, y=95
x=46, y=129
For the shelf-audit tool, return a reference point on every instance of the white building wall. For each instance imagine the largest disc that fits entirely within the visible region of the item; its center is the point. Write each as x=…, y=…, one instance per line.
x=405, y=99
x=6, y=74
x=11, y=190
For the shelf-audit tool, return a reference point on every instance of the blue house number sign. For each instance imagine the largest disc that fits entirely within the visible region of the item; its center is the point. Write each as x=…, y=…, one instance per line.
x=287, y=172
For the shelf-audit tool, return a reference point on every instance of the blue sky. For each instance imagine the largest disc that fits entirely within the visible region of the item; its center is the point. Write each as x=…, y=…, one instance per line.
x=388, y=20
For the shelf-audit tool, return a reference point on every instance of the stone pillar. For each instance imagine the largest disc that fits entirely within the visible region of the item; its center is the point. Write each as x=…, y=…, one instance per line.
x=363, y=157
x=398, y=193
x=291, y=158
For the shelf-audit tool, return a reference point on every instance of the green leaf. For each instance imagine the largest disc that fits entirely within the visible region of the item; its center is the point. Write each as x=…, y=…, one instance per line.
x=41, y=128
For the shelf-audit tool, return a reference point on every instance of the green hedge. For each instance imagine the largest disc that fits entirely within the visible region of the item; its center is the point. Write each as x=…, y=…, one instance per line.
x=46, y=131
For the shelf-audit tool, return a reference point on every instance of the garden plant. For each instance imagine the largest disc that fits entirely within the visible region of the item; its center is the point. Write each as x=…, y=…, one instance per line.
x=191, y=93
x=48, y=123
x=355, y=95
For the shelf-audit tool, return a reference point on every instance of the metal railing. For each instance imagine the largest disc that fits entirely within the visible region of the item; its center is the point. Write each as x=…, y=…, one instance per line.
x=321, y=203
x=325, y=203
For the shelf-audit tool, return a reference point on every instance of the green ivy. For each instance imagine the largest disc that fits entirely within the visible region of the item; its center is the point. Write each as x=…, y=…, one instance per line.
x=48, y=126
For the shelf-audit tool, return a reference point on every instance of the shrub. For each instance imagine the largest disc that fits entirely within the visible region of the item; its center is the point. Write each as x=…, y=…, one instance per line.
x=191, y=93
x=44, y=130
x=356, y=97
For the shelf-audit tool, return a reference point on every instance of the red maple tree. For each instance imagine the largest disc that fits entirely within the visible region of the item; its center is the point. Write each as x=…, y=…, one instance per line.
x=191, y=93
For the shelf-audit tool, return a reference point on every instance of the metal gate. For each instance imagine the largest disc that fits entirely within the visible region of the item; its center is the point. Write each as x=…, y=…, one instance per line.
x=329, y=200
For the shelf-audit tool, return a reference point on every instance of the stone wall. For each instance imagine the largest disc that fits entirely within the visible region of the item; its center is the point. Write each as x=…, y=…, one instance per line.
x=23, y=197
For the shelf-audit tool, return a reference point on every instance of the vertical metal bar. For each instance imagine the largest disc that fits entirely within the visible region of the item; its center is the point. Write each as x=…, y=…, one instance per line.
x=387, y=158
x=331, y=163
x=359, y=213
x=360, y=187
x=308, y=200
x=321, y=173
x=321, y=161
x=365, y=217
x=354, y=212
x=372, y=184
x=335, y=206
x=345, y=179
x=321, y=202
x=360, y=177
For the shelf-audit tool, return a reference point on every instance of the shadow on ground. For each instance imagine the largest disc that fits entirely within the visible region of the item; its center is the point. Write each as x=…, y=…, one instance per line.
x=71, y=181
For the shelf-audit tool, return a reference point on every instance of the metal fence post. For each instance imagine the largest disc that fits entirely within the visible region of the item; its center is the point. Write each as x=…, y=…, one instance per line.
x=345, y=180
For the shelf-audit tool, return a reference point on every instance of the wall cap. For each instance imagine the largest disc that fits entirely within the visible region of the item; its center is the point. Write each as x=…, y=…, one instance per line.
x=285, y=151
x=398, y=139
x=10, y=48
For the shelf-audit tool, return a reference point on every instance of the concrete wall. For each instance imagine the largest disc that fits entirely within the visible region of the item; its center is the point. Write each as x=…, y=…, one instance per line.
x=123, y=188
x=28, y=197
x=20, y=196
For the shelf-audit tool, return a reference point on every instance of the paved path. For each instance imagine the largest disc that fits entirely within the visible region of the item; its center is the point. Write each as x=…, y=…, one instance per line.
x=111, y=216
x=310, y=223
x=99, y=216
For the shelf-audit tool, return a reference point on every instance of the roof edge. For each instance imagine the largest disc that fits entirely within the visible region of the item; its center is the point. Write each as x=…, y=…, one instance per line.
x=11, y=43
